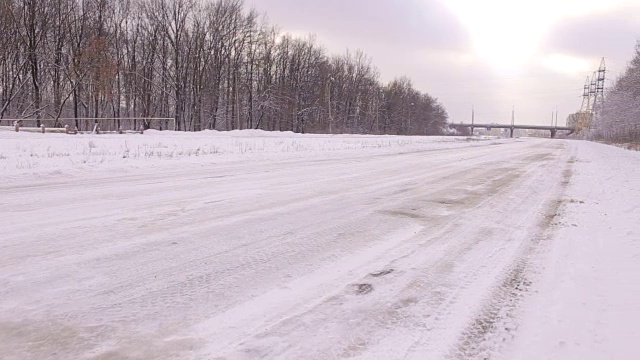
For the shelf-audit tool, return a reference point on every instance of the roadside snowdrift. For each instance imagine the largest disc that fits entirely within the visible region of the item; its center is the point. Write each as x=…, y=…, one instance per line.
x=32, y=153
x=586, y=304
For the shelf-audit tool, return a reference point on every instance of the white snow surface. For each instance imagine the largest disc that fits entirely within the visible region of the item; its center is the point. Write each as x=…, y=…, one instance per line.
x=35, y=154
x=255, y=245
x=586, y=303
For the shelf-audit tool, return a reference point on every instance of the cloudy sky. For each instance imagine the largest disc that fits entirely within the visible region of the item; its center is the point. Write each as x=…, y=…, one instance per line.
x=489, y=54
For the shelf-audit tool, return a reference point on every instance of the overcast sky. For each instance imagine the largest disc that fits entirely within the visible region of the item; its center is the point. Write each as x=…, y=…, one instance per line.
x=492, y=54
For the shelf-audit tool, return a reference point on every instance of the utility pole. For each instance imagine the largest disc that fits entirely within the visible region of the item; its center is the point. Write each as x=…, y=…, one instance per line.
x=602, y=75
x=513, y=116
x=598, y=100
x=329, y=83
x=513, y=119
x=410, y=113
x=473, y=118
x=592, y=98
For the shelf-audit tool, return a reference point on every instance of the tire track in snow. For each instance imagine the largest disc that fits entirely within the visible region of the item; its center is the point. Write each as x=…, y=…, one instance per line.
x=495, y=325
x=118, y=288
x=409, y=299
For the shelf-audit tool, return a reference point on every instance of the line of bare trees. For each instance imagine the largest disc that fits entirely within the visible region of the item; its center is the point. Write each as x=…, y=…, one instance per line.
x=210, y=64
x=619, y=118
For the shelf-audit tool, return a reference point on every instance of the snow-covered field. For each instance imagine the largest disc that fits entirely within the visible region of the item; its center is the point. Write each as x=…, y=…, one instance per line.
x=253, y=245
x=51, y=154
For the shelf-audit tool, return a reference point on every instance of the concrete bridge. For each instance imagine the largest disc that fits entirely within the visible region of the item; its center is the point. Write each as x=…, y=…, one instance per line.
x=553, y=129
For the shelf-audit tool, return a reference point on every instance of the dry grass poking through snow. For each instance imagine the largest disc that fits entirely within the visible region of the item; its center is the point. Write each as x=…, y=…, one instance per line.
x=27, y=153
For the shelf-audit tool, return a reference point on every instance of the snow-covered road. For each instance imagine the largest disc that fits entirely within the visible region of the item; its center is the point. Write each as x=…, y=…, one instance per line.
x=400, y=255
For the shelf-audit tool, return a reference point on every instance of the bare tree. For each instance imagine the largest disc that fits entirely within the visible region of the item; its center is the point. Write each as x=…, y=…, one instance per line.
x=210, y=64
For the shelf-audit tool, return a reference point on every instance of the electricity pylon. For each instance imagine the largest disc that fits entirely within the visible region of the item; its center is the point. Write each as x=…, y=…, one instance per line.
x=592, y=99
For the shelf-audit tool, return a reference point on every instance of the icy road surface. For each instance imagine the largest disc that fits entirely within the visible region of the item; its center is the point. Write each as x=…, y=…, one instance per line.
x=405, y=255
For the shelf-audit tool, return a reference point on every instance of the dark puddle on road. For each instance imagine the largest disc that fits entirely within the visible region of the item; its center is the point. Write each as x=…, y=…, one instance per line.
x=363, y=289
x=382, y=273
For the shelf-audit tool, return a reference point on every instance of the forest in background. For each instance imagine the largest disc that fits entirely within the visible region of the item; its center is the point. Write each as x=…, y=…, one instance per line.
x=619, y=117
x=211, y=64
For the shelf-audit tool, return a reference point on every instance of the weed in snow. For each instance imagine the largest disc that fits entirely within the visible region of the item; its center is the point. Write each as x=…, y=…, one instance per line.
x=83, y=150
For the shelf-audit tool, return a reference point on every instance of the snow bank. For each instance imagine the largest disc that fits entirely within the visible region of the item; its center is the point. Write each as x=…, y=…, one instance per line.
x=32, y=153
x=586, y=305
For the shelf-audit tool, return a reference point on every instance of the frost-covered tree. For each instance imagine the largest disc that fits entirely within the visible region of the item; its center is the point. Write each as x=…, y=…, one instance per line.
x=619, y=118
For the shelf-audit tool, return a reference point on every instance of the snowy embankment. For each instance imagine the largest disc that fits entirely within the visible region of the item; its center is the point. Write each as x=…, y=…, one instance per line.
x=586, y=303
x=33, y=153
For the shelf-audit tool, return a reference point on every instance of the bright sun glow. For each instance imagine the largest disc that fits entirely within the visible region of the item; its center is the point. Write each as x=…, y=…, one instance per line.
x=504, y=32
x=509, y=33
x=566, y=64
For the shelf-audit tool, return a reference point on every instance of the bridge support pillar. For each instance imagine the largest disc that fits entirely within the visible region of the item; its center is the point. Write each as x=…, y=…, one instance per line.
x=554, y=132
x=511, y=132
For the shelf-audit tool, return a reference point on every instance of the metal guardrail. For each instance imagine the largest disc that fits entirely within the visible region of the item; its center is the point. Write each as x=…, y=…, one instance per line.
x=90, y=123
